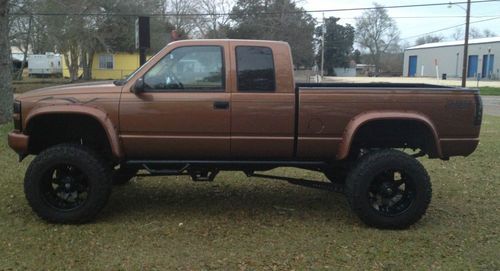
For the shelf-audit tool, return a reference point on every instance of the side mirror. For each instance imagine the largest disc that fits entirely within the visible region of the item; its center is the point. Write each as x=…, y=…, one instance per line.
x=138, y=86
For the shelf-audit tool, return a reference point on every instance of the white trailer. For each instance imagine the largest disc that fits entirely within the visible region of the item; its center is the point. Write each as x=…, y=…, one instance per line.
x=48, y=64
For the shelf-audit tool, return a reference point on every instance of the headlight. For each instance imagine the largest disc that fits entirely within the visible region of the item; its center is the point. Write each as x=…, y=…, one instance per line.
x=17, y=116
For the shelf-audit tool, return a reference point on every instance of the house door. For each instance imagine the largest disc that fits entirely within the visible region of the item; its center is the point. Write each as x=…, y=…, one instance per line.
x=472, y=71
x=412, y=69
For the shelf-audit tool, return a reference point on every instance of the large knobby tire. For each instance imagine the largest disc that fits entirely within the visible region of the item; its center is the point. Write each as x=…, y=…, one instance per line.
x=67, y=184
x=388, y=189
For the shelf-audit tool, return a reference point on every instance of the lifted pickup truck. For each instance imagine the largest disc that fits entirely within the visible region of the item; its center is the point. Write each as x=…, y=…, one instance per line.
x=202, y=106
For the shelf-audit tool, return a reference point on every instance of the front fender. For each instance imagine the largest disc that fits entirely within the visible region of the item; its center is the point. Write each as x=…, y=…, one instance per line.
x=96, y=113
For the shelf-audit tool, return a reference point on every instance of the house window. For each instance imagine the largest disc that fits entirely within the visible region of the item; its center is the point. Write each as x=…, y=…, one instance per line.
x=106, y=62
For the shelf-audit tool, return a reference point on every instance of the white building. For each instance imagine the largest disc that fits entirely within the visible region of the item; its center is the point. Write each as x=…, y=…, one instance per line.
x=436, y=59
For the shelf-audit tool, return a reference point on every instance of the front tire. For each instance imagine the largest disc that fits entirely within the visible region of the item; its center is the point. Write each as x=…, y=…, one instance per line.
x=388, y=189
x=67, y=184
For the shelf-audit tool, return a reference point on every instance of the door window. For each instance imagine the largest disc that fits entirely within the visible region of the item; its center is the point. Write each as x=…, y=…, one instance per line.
x=255, y=68
x=193, y=68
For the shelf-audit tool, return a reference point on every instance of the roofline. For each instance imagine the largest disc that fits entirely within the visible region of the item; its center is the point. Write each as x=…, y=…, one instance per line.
x=442, y=46
x=455, y=43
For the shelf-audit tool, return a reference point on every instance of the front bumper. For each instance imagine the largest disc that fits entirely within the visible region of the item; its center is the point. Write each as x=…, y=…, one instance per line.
x=18, y=142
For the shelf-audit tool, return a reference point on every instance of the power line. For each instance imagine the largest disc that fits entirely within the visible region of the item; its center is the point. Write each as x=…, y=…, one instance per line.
x=448, y=28
x=422, y=17
x=228, y=14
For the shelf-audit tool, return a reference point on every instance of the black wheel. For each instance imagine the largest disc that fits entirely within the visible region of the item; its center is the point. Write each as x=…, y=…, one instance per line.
x=67, y=183
x=389, y=189
x=123, y=175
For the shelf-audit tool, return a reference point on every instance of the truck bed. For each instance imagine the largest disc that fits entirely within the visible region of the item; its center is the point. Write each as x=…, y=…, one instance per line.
x=327, y=112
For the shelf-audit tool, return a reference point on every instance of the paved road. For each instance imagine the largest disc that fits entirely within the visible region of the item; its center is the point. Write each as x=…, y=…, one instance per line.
x=491, y=105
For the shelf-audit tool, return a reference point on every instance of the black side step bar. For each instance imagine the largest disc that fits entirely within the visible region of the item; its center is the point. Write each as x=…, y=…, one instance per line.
x=281, y=163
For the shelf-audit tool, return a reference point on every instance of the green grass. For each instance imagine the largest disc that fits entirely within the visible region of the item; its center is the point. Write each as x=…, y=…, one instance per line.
x=165, y=223
x=489, y=91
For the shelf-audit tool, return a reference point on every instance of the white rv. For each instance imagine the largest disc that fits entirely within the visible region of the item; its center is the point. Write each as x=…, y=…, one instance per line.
x=48, y=64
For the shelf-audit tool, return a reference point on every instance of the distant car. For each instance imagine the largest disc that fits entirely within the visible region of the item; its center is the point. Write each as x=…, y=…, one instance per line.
x=241, y=110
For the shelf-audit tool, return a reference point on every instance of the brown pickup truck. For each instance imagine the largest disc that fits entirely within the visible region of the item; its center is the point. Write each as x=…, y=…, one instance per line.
x=202, y=106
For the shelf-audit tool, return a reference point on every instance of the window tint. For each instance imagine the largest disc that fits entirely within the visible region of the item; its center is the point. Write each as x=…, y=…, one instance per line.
x=255, y=68
x=190, y=68
x=106, y=62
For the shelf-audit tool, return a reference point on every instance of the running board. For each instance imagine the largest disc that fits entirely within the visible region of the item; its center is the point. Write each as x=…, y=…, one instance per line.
x=217, y=163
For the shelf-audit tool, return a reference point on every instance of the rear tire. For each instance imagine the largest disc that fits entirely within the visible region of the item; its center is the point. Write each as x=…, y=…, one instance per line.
x=388, y=189
x=67, y=184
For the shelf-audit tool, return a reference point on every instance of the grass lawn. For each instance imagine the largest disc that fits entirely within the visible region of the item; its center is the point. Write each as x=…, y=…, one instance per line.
x=165, y=223
x=489, y=91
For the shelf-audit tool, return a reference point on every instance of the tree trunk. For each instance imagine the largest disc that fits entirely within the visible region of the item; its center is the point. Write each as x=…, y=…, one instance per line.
x=19, y=75
x=87, y=57
x=6, y=96
x=71, y=56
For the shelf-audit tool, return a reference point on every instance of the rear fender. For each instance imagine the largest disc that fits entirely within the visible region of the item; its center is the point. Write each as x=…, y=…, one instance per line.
x=364, y=118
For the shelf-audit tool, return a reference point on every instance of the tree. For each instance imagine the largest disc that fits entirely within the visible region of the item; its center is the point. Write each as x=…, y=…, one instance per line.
x=216, y=24
x=474, y=33
x=339, y=40
x=377, y=33
x=6, y=96
x=428, y=39
x=181, y=20
x=276, y=20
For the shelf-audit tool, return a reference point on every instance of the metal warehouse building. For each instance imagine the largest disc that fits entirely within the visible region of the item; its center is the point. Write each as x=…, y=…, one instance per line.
x=436, y=59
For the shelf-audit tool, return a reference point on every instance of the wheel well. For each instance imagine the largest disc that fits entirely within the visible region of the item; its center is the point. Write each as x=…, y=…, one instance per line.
x=411, y=134
x=52, y=129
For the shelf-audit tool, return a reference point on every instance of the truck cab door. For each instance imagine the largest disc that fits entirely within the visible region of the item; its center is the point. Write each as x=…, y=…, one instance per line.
x=183, y=111
x=262, y=101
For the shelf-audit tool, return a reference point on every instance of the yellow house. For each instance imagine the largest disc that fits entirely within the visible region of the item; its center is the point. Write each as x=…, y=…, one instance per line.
x=109, y=65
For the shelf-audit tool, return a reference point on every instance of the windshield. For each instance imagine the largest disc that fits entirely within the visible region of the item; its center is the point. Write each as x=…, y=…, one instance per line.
x=124, y=81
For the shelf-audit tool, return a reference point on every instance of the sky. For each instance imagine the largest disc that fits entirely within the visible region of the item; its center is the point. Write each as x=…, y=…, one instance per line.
x=411, y=28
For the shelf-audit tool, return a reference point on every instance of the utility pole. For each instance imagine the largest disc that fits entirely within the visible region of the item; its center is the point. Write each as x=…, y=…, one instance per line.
x=466, y=45
x=323, y=30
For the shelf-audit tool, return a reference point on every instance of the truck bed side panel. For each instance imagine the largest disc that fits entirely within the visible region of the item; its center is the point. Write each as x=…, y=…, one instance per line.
x=325, y=113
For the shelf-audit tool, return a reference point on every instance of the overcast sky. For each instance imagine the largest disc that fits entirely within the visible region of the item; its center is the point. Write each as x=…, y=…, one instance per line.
x=411, y=27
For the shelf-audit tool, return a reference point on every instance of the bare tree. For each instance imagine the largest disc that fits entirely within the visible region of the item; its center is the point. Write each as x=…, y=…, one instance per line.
x=215, y=24
x=487, y=33
x=378, y=33
x=181, y=19
x=21, y=30
x=475, y=33
x=458, y=34
x=428, y=39
x=6, y=96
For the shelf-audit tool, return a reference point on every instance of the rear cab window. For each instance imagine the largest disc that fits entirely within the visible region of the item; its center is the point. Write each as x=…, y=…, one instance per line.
x=255, y=69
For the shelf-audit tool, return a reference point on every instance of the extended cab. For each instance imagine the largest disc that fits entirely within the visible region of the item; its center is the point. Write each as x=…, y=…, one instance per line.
x=201, y=106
